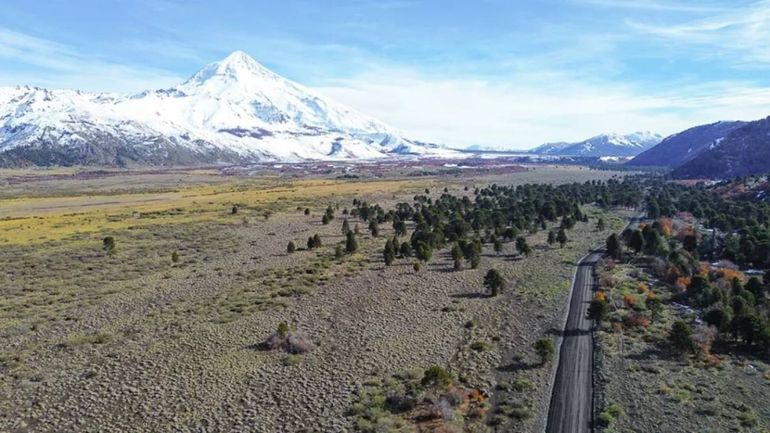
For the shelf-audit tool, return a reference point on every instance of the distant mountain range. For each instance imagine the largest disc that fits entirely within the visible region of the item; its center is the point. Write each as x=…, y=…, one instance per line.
x=238, y=111
x=716, y=151
x=231, y=111
x=604, y=145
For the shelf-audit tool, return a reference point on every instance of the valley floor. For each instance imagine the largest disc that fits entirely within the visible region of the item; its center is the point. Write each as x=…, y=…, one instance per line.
x=133, y=341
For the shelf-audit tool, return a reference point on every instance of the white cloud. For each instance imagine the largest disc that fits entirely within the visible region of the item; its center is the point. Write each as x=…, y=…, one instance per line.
x=51, y=64
x=654, y=5
x=528, y=111
x=740, y=36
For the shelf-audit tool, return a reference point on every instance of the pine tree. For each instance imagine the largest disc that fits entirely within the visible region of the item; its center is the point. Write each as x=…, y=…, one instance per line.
x=494, y=282
x=551, y=237
x=522, y=247
x=290, y=248
x=636, y=241
x=351, y=245
x=345, y=227
x=600, y=224
x=614, y=248
x=562, y=237
x=389, y=253
x=374, y=228
x=405, y=250
x=497, y=244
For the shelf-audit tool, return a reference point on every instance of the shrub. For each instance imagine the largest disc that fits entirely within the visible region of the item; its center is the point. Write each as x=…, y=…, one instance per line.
x=636, y=320
x=494, y=282
x=287, y=340
x=544, y=348
x=605, y=419
x=290, y=248
x=108, y=244
x=479, y=346
x=417, y=266
x=291, y=360
x=175, y=257
x=629, y=300
x=520, y=413
x=436, y=376
x=615, y=410
x=522, y=384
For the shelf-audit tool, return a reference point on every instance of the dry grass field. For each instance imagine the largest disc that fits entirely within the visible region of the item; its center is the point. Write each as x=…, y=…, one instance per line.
x=134, y=340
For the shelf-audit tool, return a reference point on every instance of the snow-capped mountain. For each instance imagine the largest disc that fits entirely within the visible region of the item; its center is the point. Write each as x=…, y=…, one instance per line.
x=603, y=145
x=234, y=110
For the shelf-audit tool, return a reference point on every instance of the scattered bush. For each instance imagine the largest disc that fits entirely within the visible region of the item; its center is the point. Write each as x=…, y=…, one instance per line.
x=108, y=244
x=435, y=376
x=494, y=282
x=545, y=349
x=288, y=340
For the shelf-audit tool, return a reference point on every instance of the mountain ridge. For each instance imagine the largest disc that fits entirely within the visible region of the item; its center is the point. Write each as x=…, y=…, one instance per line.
x=744, y=151
x=231, y=111
x=676, y=149
x=608, y=144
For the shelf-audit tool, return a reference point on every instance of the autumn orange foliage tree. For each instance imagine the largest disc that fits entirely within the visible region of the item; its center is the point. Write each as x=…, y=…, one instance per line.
x=666, y=226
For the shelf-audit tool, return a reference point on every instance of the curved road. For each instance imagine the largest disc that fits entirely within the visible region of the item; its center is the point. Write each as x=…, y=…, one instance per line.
x=571, y=408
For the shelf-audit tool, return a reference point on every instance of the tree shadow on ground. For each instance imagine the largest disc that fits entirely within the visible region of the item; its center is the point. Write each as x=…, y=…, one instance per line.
x=473, y=295
x=257, y=347
x=519, y=365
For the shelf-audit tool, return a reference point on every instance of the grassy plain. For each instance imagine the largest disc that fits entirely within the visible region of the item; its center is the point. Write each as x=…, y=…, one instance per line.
x=134, y=341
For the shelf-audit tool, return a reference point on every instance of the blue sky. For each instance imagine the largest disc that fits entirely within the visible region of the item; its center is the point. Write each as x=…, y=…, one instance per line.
x=500, y=73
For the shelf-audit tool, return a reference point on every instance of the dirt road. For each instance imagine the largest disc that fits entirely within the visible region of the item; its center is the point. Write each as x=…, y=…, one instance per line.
x=571, y=406
x=570, y=410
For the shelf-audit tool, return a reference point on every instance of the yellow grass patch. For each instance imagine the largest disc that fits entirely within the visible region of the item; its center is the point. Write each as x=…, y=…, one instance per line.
x=34, y=220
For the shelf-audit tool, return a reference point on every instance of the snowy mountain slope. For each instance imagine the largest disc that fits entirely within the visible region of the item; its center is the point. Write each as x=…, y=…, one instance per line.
x=743, y=151
x=234, y=110
x=681, y=147
x=602, y=145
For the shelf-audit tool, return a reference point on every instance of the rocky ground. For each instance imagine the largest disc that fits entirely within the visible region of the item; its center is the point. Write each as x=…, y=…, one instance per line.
x=131, y=341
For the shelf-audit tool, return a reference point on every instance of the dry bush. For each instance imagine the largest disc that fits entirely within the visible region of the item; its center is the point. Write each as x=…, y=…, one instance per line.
x=636, y=320
x=704, y=337
x=607, y=264
x=629, y=300
x=606, y=281
x=290, y=342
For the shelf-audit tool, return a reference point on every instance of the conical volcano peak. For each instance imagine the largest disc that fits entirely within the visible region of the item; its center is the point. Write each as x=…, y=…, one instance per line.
x=237, y=66
x=240, y=61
